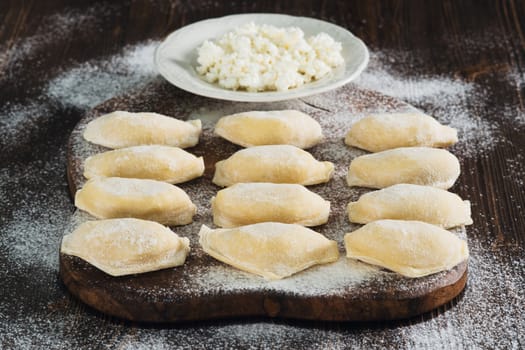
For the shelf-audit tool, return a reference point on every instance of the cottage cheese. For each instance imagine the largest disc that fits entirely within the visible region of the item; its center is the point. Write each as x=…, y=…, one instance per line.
x=259, y=58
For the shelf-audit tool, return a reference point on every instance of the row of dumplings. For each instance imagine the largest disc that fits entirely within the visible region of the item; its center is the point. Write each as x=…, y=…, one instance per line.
x=266, y=192
x=265, y=205
x=131, y=188
x=405, y=220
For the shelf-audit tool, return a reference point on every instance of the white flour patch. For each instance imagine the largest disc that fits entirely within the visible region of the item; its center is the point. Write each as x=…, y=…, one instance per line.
x=516, y=113
x=91, y=83
x=19, y=121
x=411, y=89
x=29, y=235
x=320, y=280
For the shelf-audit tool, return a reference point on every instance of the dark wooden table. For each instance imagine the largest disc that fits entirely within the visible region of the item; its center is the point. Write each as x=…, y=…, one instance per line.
x=461, y=61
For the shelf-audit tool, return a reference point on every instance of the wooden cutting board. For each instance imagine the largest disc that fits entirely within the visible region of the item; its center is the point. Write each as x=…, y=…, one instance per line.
x=204, y=288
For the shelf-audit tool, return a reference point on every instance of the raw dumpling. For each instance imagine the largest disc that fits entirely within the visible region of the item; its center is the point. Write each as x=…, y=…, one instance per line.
x=379, y=132
x=414, y=165
x=257, y=128
x=272, y=250
x=124, y=129
x=411, y=202
x=163, y=163
x=275, y=163
x=117, y=197
x=410, y=248
x=250, y=203
x=126, y=246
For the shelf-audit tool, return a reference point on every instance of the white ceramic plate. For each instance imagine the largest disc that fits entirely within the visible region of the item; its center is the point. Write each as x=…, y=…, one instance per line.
x=176, y=56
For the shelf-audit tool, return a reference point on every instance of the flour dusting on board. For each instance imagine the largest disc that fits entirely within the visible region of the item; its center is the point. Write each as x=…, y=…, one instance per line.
x=324, y=280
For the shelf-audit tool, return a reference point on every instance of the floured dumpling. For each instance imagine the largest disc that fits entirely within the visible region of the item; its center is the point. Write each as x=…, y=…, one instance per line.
x=272, y=250
x=275, y=163
x=411, y=202
x=126, y=246
x=379, y=132
x=414, y=165
x=250, y=203
x=163, y=163
x=410, y=248
x=117, y=197
x=124, y=129
x=257, y=128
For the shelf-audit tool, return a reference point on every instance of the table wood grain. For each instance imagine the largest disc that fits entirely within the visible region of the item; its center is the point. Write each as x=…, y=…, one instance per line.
x=471, y=42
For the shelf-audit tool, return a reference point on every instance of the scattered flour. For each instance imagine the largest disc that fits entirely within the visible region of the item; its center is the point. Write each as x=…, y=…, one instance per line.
x=516, y=113
x=53, y=30
x=515, y=169
x=35, y=221
x=91, y=83
x=319, y=280
x=19, y=121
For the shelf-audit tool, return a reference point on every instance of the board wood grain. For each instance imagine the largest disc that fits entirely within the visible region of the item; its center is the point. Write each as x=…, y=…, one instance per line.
x=204, y=288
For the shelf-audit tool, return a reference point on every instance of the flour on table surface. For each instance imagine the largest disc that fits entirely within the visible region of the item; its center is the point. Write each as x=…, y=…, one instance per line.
x=91, y=83
x=32, y=228
x=54, y=29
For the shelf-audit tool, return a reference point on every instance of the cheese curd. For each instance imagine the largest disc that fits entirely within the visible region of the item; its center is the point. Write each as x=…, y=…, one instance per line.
x=259, y=58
